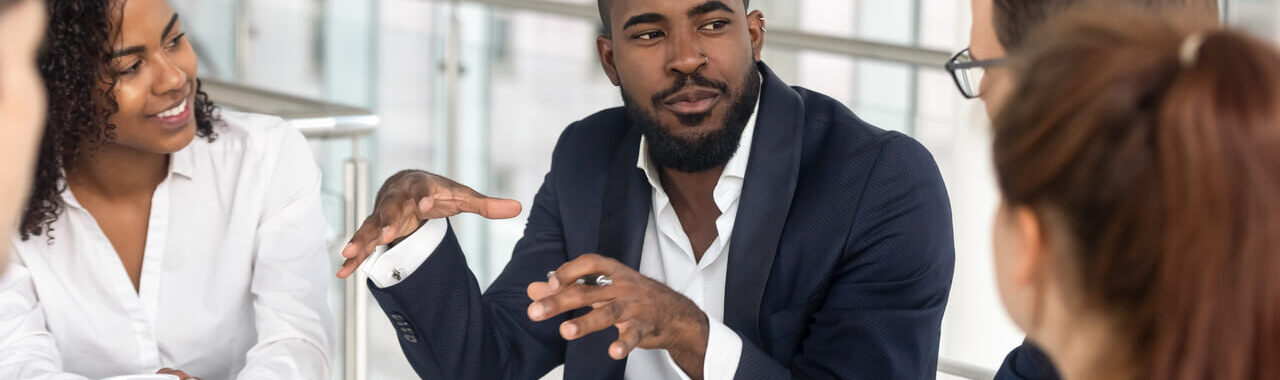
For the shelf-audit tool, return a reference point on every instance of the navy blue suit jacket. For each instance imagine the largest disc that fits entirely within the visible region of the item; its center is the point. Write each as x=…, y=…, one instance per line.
x=840, y=261
x=1027, y=362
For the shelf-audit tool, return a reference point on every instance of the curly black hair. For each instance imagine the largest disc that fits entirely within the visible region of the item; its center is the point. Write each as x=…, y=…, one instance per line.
x=75, y=62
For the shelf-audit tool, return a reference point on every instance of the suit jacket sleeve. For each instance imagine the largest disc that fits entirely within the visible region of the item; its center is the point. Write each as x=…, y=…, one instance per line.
x=1027, y=362
x=449, y=330
x=882, y=315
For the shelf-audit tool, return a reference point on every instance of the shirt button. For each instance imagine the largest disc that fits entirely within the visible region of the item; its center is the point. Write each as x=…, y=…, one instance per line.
x=395, y=273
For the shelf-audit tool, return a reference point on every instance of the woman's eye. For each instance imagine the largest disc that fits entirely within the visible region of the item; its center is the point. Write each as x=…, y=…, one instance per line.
x=131, y=69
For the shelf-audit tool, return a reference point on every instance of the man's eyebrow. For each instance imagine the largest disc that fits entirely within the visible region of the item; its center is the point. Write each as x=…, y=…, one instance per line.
x=708, y=7
x=644, y=19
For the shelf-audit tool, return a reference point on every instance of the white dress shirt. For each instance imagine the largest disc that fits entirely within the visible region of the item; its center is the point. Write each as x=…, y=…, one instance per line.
x=667, y=257
x=234, y=275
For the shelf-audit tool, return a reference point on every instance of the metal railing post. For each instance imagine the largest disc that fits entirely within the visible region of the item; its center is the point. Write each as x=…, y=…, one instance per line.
x=355, y=195
x=453, y=87
x=243, y=33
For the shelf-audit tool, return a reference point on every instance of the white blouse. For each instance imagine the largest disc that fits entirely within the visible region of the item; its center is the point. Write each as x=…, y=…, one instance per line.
x=234, y=280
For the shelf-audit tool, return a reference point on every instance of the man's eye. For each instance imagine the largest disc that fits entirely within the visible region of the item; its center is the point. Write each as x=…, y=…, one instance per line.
x=715, y=25
x=648, y=35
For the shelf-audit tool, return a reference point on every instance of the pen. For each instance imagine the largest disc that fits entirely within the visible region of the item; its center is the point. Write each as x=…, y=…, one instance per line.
x=588, y=280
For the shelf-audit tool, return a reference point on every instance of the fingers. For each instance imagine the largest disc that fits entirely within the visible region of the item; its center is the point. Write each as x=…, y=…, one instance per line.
x=568, y=298
x=629, y=336
x=367, y=238
x=588, y=264
x=350, y=265
x=602, y=317
x=491, y=208
x=452, y=198
x=179, y=374
x=445, y=205
x=539, y=290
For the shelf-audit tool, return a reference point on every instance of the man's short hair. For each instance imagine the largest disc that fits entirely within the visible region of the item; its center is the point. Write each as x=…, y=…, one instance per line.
x=1014, y=19
x=605, y=5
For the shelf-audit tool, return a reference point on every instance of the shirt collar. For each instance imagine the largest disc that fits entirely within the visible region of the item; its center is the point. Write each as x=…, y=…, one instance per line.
x=181, y=163
x=735, y=168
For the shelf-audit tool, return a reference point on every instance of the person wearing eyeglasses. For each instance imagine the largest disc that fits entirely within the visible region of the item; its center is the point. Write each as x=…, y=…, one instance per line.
x=980, y=72
x=1138, y=162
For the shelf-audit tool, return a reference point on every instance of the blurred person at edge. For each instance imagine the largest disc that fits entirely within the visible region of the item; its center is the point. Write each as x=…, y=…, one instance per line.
x=161, y=235
x=1139, y=163
x=1001, y=26
x=751, y=230
x=22, y=108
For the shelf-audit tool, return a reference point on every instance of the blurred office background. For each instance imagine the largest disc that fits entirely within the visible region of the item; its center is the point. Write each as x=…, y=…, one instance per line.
x=479, y=90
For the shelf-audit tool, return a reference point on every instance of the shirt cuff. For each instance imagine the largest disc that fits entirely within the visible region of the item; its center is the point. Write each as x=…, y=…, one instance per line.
x=388, y=268
x=724, y=349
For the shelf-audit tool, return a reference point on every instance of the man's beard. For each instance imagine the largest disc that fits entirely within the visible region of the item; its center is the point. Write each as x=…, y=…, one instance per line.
x=705, y=151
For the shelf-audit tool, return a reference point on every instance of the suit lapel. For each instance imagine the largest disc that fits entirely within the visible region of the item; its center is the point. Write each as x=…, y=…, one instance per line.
x=772, y=173
x=624, y=217
x=627, y=200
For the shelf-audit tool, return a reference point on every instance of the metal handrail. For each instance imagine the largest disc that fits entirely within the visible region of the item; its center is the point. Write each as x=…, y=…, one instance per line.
x=315, y=119
x=782, y=37
x=964, y=369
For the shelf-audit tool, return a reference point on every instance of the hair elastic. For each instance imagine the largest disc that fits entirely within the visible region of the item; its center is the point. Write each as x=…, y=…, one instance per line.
x=1191, y=49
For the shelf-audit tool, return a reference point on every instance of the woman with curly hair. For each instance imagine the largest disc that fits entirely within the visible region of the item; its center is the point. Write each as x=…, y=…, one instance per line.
x=162, y=236
x=21, y=107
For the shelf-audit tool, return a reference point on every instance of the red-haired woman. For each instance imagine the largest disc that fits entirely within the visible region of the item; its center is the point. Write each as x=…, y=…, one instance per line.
x=1139, y=235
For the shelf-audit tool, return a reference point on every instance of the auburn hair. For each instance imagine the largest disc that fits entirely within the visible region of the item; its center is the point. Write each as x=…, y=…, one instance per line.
x=1016, y=19
x=1160, y=160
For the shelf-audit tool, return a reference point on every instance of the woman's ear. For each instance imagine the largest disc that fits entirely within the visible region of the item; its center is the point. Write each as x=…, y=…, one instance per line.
x=1032, y=256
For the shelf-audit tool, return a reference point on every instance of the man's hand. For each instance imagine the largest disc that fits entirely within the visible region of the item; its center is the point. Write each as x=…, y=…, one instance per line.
x=409, y=198
x=179, y=374
x=647, y=313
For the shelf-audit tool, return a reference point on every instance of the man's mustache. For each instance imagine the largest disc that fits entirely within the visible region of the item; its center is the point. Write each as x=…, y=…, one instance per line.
x=683, y=81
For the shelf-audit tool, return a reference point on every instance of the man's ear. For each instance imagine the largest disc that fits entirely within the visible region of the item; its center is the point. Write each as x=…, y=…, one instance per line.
x=604, y=48
x=756, y=28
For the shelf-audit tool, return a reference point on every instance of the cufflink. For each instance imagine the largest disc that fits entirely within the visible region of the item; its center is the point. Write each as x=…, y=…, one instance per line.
x=395, y=273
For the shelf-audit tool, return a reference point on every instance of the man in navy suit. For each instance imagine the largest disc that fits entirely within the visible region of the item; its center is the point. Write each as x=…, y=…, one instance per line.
x=1001, y=26
x=720, y=225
